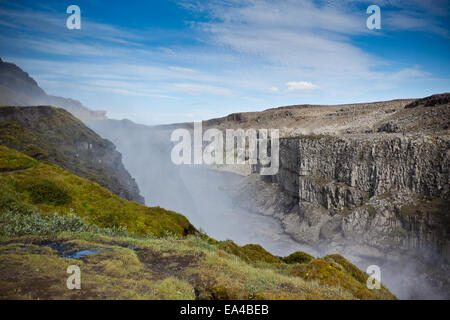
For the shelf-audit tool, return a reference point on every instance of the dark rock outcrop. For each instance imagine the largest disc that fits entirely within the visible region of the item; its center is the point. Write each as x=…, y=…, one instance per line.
x=431, y=101
x=54, y=135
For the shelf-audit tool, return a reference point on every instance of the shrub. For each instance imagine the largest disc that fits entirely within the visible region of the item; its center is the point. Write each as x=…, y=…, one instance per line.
x=251, y=253
x=48, y=192
x=298, y=257
x=350, y=268
x=18, y=220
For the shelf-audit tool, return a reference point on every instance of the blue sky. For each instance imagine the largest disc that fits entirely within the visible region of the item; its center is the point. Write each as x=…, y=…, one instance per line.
x=173, y=61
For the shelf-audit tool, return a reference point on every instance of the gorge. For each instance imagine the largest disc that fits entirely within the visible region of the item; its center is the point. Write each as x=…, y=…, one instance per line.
x=369, y=181
x=376, y=193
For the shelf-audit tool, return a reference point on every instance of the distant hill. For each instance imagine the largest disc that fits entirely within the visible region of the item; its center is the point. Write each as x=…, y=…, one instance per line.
x=428, y=115
x=54, y=135
x=17, y=88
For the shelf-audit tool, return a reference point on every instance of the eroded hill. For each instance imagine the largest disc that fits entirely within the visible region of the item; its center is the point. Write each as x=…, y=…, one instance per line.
x=17, y=88
x=54, y=135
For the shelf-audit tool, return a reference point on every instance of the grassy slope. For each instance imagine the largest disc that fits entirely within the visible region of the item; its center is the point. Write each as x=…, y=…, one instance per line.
x=165, y=266
x=23, y=178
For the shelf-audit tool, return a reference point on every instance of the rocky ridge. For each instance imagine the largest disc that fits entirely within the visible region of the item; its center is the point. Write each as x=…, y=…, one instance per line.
x=54, y=135
x=17, y=88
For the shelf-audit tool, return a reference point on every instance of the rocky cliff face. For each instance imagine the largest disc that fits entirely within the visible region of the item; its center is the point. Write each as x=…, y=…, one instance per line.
x=355, y=178
x=54, y=135
x=378, y=193
x=380, y=198
x=17, y=88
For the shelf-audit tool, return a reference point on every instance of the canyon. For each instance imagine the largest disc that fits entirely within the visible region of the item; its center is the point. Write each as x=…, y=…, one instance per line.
x=369, y=181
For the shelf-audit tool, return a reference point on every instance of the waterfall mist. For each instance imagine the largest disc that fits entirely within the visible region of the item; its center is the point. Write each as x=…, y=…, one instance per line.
x=194, y=191
x=201, y=195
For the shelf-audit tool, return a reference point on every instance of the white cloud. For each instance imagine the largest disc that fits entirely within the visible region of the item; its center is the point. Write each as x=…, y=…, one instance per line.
x=274, y=89
x=294, y=35
x=196, y=89
x=183, y=70
x=299, y=86
x=247, y=46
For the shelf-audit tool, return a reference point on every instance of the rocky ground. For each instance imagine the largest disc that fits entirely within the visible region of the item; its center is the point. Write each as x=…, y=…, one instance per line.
x=428, y=115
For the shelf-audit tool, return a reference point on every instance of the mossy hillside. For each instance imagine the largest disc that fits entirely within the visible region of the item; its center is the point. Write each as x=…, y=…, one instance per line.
x=55, y=136
x=298, y=257
x=35, y=129
x=250, y=253
x=11, y=161
x=35, y=251
x=34, y=267
x=50, y=189
x=335, y=270
x=255, y=254
x=34, y=243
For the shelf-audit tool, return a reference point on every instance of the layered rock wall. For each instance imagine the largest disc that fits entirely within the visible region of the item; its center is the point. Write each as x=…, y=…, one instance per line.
x=383, y=191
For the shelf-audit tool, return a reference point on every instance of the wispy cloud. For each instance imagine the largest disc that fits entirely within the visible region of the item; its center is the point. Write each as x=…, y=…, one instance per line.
x=274, y=89
x=300, y=86
x=418, y=15
x=242, y=54
x=196, y=89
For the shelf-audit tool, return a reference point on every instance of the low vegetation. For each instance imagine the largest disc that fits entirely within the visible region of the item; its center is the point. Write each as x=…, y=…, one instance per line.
x=48, y=192
x=50, y=188
x=48, y=215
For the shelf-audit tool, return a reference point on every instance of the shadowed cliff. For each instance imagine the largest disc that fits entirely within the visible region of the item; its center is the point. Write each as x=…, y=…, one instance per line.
x=54, y=135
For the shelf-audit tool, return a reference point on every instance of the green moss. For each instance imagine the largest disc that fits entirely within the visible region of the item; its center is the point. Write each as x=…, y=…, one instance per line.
x=251, y=253
x=49, y=188
x=343, y=274
x=12, y=160
x=298, y=257
x=47, y=192
x=175, y=289
x=348, y=267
